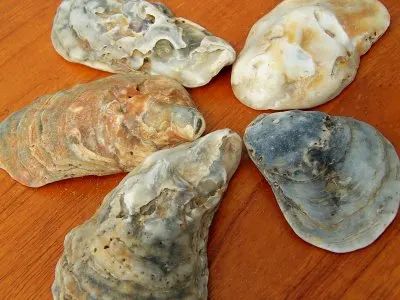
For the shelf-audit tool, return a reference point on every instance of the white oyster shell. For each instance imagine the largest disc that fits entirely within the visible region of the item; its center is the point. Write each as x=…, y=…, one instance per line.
x=149, y=238
x=336, y=179
x=305, y=52
x=123, y=35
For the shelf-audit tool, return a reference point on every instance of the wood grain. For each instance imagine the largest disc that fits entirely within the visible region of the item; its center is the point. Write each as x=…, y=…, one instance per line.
x=253, y=253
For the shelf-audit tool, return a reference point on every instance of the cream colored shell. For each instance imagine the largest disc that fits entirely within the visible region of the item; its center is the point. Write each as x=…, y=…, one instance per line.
x=121, y=36
x=305, y=52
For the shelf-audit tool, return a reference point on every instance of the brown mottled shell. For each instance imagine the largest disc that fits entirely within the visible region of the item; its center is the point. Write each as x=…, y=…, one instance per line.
x=149, y=238
x=99, y=128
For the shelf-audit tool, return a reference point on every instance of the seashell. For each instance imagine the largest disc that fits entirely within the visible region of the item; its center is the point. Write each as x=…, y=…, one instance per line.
x=148, y=240
x=336, y=179
x=305, y=52
x=119, y=36
x=99, y=128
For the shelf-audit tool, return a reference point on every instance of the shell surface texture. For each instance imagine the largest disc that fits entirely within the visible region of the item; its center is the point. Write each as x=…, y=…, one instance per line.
x=99, y=128
x=121, y=36
x=305, y=52
x=148, y=240
x=336, y=179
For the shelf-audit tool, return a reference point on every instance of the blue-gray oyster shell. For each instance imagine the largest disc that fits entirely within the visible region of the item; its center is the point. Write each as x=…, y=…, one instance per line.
x=336, y=179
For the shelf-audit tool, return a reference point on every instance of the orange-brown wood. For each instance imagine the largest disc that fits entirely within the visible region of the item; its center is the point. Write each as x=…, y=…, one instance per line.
x=253, y=253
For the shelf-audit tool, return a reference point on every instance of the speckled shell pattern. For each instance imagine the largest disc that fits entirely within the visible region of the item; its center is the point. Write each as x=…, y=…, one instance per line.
x=148, y=240
x=99, y=128
x=336, y=179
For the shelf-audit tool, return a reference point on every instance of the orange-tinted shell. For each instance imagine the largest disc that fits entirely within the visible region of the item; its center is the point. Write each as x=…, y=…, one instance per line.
x=99, y=128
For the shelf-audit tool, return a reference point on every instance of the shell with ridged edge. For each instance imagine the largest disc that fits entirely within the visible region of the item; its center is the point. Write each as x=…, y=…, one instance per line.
x=103, y=127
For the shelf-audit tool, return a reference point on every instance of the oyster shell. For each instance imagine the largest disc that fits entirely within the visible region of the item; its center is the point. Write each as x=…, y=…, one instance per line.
x=99, y=128
x=336, y=179
x=305, y=52
x=148, y=240
x=121, y=36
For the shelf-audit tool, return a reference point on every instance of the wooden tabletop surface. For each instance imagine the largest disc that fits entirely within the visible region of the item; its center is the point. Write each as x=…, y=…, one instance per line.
x=253, y=253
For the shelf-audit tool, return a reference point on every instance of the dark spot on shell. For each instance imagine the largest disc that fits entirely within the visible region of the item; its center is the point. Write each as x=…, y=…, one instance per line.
x=336, y=201
x=199, y=125
x=330, y=33
x=74, y=140
x=150, y=18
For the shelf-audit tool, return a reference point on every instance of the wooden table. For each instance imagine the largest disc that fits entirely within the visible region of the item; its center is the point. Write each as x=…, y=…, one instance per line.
x=253, y=253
